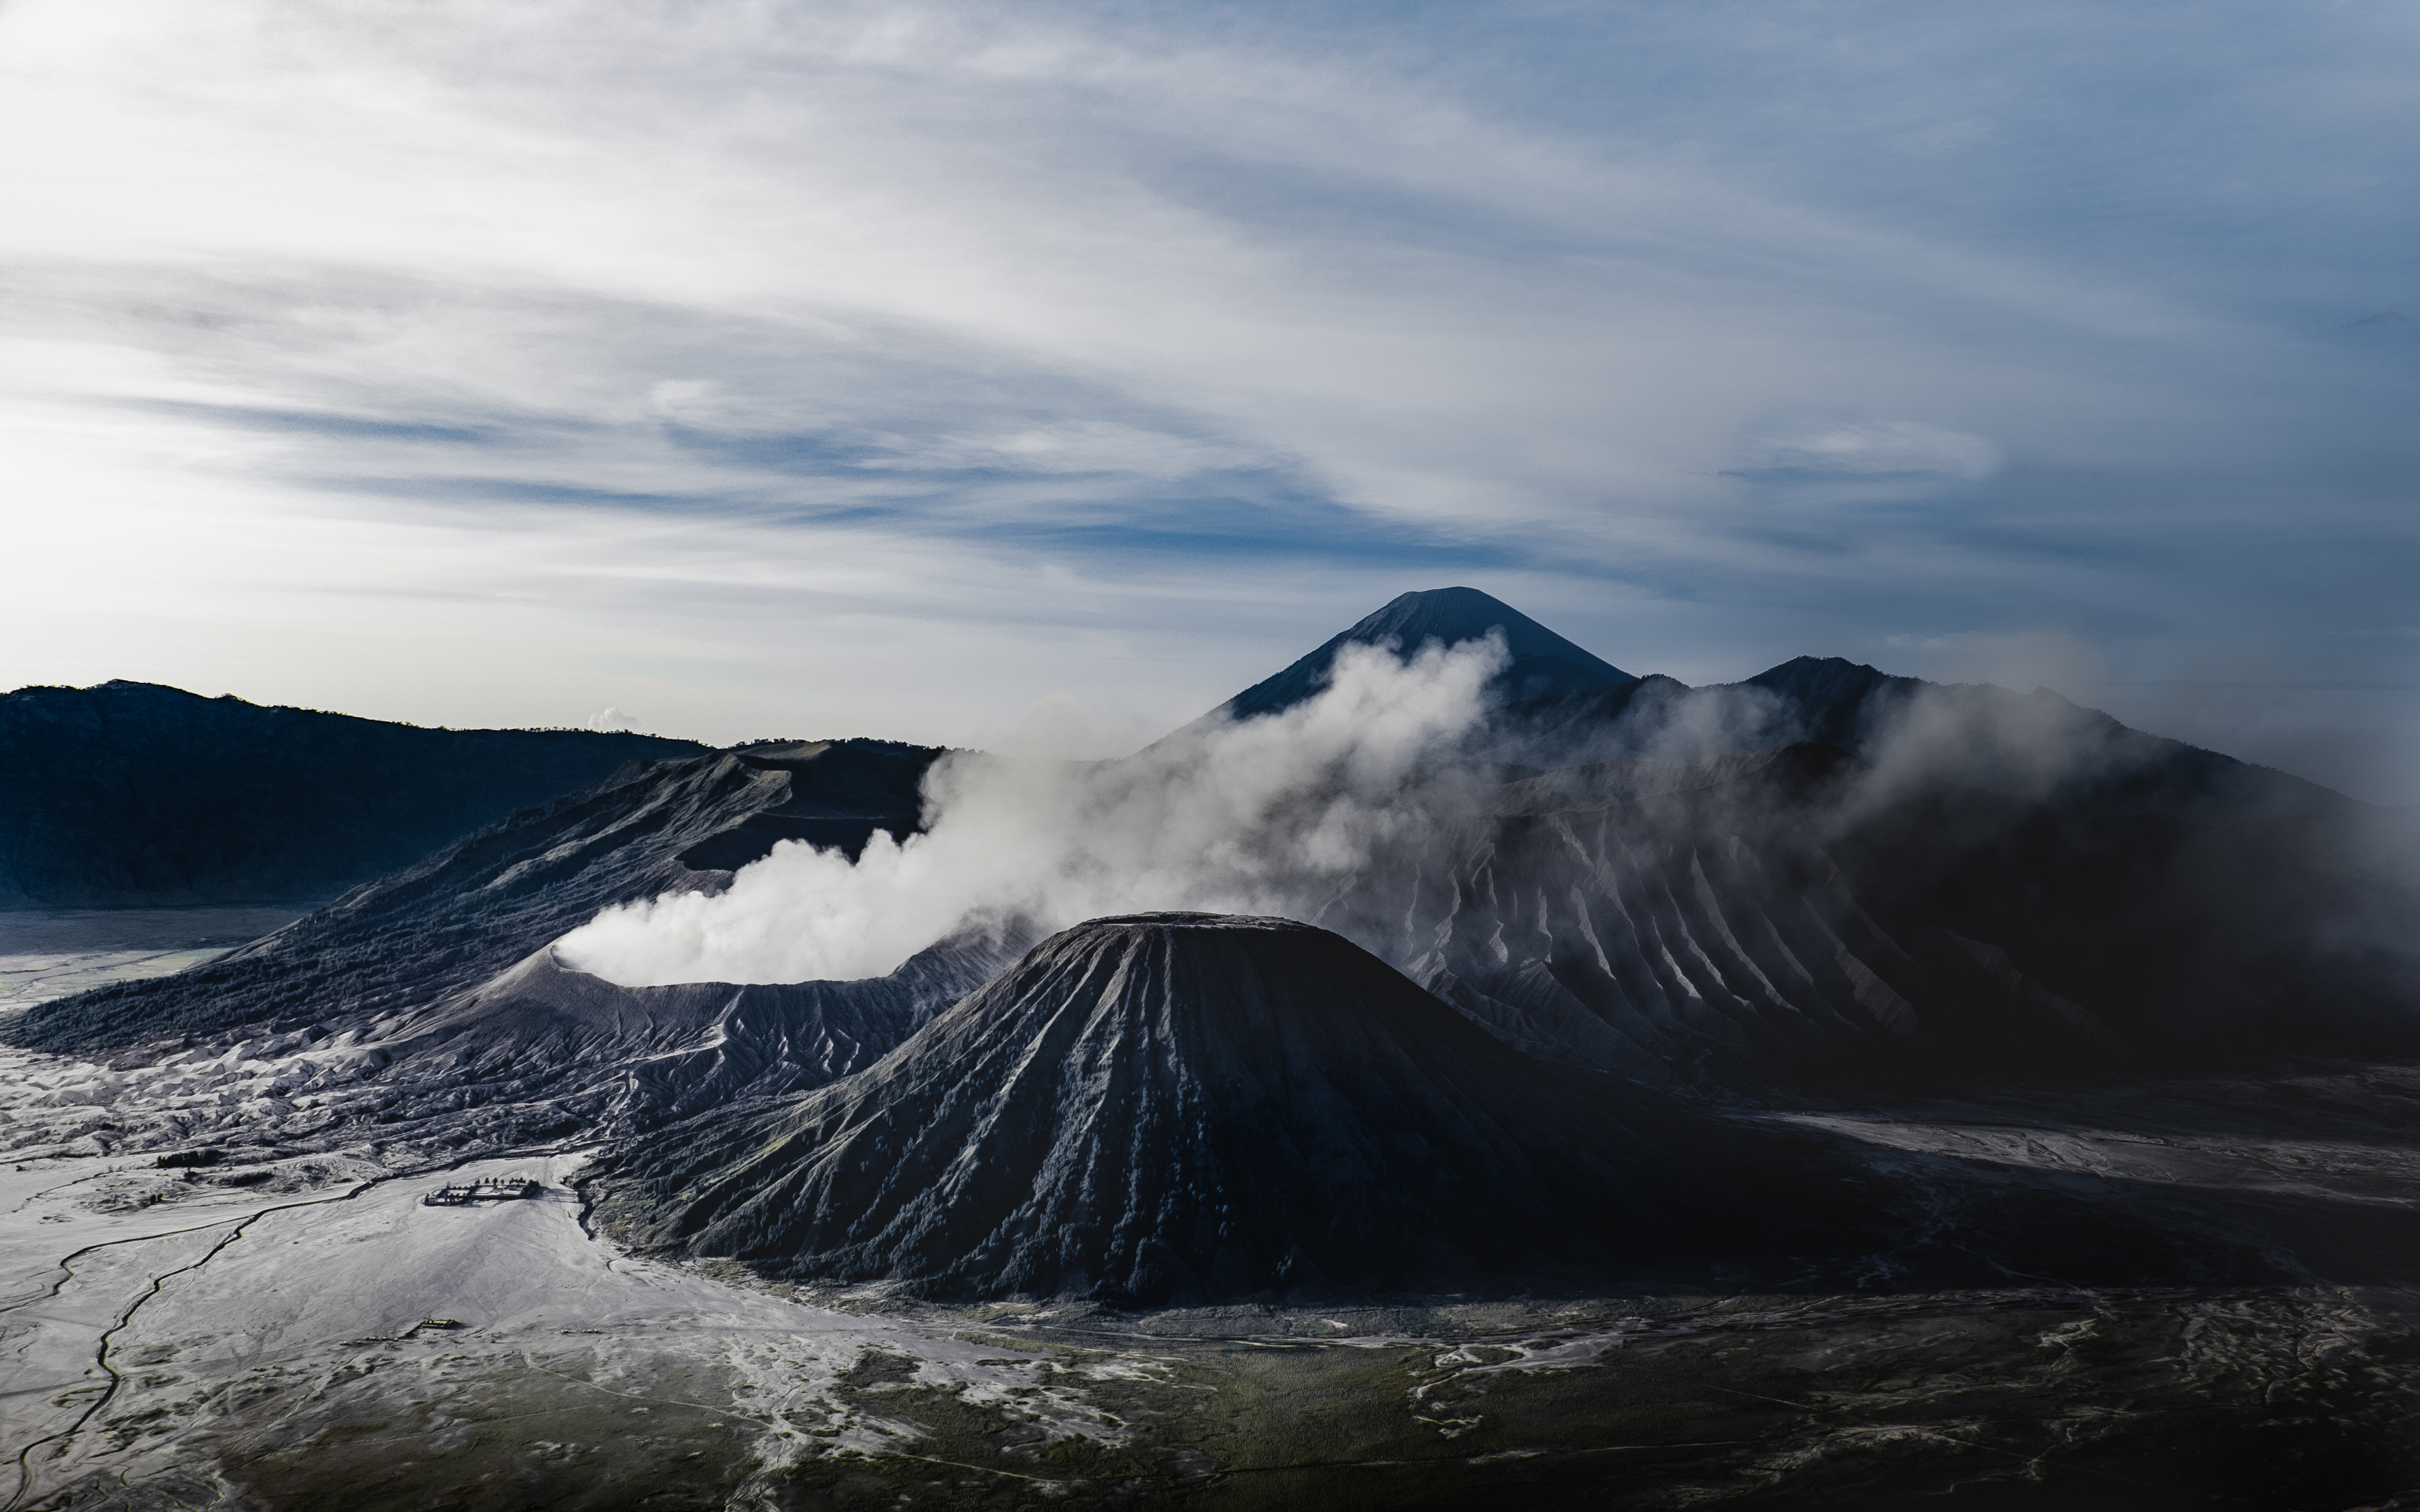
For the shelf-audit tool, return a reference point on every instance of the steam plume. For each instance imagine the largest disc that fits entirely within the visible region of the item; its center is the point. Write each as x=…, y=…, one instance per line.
x=1271, y=815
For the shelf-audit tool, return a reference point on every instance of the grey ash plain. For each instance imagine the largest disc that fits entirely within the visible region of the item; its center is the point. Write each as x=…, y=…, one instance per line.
x=1778, y=1122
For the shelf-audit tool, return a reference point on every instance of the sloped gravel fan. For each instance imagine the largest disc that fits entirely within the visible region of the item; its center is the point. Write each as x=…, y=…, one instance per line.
x=1179, y=1106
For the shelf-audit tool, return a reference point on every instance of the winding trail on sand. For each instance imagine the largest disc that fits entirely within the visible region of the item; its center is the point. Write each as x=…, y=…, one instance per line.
x=101, y=1345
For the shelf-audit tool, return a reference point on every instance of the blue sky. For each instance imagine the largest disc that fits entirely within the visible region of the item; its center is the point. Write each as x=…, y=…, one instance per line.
x=956, y=372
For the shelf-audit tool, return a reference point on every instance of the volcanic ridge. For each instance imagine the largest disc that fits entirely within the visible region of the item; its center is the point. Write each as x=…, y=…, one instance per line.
x=1539, y=663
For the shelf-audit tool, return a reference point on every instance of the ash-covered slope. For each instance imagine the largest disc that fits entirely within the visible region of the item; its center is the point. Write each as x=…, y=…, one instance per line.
x=1544, y=665
x=1796, y=918
x=132, y=795
x=1825, y=875
x=475, y=909
x=606, y=1058
x=539, y=1052
x=1173, y=1106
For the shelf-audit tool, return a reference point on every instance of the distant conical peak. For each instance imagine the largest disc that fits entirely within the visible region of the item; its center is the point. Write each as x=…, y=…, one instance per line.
x=1453, y=615
x=1539, y=664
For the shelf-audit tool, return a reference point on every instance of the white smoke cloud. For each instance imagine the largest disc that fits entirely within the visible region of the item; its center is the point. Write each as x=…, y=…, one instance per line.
x=1274, y=815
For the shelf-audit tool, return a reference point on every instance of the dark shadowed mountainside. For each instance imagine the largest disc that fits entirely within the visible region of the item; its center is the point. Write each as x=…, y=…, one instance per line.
x=132, y=795
x=484, y=903
x=1181, y=1106
x=1791, y=919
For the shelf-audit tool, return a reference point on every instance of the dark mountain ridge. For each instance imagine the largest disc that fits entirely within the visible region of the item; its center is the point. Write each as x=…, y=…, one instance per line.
x=131, y=794
x=484, y=904
x=1184, y=1107
x=2035, y=745
x=1560, y=705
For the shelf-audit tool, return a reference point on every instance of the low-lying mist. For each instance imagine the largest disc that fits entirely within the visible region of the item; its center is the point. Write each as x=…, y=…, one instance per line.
x=1267, y=817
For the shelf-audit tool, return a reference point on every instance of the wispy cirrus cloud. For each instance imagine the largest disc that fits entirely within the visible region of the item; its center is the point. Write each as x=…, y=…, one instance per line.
x=1001, y=350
